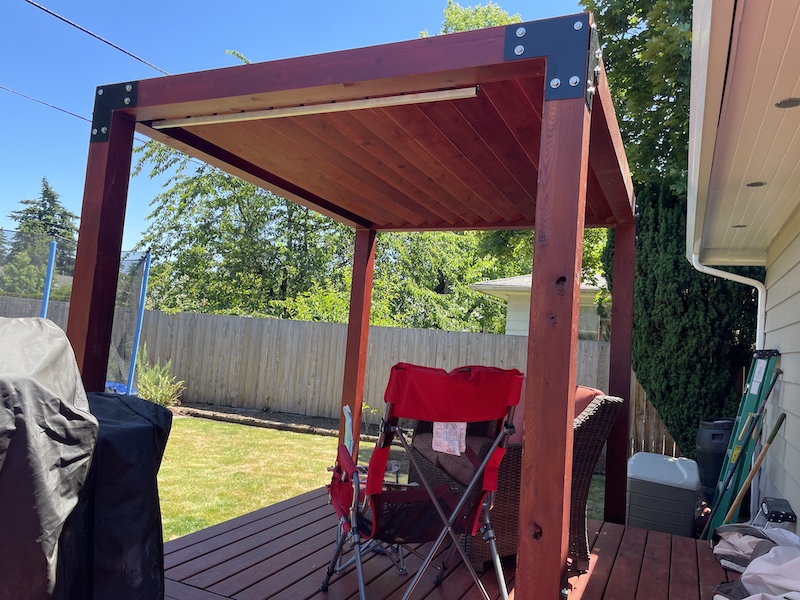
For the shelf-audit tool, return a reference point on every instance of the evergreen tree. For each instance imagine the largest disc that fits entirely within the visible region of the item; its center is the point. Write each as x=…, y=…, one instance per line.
x=692, y=333
x=45, y=215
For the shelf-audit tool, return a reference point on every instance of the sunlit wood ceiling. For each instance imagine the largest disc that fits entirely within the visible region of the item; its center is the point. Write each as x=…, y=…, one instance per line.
x=745, y=157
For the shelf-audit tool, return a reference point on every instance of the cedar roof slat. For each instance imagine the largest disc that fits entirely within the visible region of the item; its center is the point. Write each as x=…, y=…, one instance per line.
x=404, y=172
x=459, y=198
x=475, y=149
x=598, y=214
x=430, y=158
x=223, y=159
x=522, y=114
x=368, y=189
x=264, y=144
x=607, y=154
x=472, y=188
x=418, y=125
x=350, y=136
x=491, y=126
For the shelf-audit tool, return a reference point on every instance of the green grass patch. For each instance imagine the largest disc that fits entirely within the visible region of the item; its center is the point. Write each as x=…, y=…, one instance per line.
x=597, y=498
x=214, y=471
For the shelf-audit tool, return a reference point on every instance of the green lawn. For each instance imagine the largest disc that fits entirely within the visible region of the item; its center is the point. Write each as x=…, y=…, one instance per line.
x=214, y=471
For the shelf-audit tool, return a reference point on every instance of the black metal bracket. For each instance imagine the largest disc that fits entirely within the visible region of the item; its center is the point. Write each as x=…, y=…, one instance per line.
x=571, y=48
x=107, y=99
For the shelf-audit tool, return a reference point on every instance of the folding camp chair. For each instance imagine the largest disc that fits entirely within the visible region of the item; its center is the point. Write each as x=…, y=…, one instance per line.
x=374, y=513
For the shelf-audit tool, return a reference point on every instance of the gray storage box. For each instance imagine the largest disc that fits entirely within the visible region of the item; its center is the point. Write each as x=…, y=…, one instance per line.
x=662, y=493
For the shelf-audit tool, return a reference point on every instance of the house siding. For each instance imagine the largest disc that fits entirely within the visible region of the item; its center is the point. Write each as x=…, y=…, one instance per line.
x=519, y=308
x=780, y=475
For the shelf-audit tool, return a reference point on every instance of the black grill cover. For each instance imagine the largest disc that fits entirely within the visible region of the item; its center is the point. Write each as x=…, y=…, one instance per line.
x=112, y=544
x=47, y=435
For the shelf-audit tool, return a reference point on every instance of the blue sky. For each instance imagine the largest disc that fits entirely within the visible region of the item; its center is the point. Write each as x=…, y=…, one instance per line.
x=47, y=59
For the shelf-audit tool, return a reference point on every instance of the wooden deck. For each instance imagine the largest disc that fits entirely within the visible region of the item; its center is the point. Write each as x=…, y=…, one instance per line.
x=281, y=552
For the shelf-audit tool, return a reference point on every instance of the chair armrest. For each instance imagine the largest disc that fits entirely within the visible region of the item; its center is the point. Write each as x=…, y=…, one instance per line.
x=346, y=463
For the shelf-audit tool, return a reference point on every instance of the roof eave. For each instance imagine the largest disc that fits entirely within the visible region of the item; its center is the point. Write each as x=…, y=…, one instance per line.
x=711, y=33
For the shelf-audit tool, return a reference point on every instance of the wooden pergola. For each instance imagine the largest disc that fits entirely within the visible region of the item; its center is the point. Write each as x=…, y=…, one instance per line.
x=503, y=128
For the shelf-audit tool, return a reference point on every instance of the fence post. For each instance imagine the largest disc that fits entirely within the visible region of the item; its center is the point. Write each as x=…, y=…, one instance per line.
x=48, y=280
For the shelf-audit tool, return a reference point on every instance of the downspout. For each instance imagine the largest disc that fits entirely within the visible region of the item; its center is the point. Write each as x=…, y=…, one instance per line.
x=761, y=315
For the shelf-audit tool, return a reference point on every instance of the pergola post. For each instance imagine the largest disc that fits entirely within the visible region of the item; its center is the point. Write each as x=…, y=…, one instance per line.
x=94, y=286
x=355, y=360
x=552, y=350
x=619, y=381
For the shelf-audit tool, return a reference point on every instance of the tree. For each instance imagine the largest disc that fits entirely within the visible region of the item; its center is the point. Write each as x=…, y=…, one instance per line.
x=424, y=280
x=45, y=215
x=692, y=333
x=458, y=18
x=22, y=277
x=220, y=244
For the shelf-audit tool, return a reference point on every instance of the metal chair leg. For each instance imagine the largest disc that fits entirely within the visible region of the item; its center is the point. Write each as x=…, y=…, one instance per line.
x=488, y=536
x=445, y=563
x=333, y=566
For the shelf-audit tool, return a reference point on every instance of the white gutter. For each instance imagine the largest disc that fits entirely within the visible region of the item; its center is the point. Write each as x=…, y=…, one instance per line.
x=761, y=314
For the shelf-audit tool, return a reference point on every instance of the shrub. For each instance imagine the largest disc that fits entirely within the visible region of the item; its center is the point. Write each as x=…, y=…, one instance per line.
x=156, y=382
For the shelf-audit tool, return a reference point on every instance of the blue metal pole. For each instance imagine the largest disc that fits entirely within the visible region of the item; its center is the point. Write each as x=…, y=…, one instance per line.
x=48, y=280
x=139, y=320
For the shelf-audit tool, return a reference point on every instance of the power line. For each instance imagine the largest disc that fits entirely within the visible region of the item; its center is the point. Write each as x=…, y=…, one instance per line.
x=72, y=114
x=42, y=102
x=53, y=106
x=94, y=35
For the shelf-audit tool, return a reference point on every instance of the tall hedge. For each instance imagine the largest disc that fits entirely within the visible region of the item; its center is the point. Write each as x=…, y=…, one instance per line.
x=693, y=333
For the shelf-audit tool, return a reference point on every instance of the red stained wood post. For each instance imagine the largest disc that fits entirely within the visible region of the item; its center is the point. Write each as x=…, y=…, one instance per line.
x=355, y=361
x=619, y=381
x=552, y=350
x=94, y=286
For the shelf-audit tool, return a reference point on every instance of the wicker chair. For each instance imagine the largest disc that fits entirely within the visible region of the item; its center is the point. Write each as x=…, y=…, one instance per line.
x=591, y=428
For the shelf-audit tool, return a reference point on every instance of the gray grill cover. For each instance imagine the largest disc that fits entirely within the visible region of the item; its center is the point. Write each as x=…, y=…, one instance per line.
x=47, y=436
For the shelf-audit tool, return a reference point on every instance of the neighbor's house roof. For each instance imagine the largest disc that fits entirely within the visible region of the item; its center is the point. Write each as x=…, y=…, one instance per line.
x=521, y=284
x=744, y=159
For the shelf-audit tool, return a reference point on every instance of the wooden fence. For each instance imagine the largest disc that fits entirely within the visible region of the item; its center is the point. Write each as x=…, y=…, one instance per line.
x=645, y=428
x=296, y=366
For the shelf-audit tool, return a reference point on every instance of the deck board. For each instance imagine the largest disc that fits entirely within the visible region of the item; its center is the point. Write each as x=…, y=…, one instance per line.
x=281, y=553
x=654, y=584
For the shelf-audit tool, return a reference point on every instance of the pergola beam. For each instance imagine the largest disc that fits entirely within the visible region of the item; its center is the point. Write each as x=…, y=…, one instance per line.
x=355, y=360
x=552, y=350
x=619, y=379
x=94, y=286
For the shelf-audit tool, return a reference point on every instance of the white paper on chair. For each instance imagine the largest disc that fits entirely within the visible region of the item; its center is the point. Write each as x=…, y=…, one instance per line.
x=450, y=438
